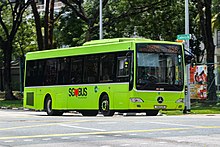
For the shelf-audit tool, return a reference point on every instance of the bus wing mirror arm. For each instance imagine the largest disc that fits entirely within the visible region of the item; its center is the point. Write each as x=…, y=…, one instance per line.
x=189, y=57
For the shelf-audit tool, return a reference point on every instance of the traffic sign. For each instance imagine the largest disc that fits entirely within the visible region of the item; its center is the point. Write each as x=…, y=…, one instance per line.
x=184, y=36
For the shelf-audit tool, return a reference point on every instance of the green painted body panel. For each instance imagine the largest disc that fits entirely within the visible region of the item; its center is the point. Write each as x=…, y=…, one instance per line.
x=119, y=96
x=89, y=94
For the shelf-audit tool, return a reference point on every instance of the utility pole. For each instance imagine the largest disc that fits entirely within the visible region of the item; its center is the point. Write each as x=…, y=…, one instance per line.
x=100, y=20
x=187, y=98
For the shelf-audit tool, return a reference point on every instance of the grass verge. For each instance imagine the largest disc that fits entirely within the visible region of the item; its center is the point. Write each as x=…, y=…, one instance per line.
x=198, y=108
x=11, y=103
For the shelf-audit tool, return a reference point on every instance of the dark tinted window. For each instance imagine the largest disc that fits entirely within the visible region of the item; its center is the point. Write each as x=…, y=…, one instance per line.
x=76, y=70
x=63, y=71
x=107, y=67
x=35, y=73
x=91, y=69
x=51, y=72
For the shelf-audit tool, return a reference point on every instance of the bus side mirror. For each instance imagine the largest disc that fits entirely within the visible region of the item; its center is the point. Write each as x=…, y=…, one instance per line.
x=188, y=59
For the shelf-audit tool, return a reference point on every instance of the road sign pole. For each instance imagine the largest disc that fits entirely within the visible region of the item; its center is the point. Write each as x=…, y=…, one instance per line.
x=100, y=20
x=187, y=98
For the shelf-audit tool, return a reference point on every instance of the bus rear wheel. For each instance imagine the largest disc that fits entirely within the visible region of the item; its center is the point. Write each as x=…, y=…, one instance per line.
x=152, y=112
x=49, y=110
x=104, y=106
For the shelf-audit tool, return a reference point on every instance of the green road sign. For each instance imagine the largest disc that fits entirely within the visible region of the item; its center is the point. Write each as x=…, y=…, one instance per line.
x=184, y=36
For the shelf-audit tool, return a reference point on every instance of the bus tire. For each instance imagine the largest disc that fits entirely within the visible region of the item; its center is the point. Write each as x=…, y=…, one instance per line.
x=89, y=112
x=104, y=106
x=49, y=110
x=152, y=112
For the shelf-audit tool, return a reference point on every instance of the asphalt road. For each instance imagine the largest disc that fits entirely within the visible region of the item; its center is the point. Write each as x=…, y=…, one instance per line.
x=34, y=129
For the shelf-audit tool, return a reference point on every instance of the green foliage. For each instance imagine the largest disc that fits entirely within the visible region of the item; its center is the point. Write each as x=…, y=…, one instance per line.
x=159, y=19
x=70, y=30
x=7, y=19
x=25, y=39
x=216, y=14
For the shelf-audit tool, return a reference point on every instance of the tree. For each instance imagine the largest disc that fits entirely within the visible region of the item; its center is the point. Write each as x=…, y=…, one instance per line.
x=87, y=11
x=205, y=15
x=24, y=40
x=45, y=41
x=16, y=9
x=70, y=30
x=149, y=19
x=119, y=17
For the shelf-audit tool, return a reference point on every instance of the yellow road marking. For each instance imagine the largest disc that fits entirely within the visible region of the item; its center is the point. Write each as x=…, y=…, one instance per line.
x=92, y=133
x=102, y=133
x=207, y=127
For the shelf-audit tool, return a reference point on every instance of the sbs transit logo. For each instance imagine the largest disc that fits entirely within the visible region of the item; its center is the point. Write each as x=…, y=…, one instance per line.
x=78, y=92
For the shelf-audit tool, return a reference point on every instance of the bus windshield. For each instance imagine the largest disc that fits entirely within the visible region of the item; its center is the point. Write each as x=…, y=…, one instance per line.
x=159, y=67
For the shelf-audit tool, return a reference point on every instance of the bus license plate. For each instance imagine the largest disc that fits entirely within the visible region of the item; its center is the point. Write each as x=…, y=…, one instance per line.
x=160, y=107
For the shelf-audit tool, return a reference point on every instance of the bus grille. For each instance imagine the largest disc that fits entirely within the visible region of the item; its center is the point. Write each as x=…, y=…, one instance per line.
x=30, y=98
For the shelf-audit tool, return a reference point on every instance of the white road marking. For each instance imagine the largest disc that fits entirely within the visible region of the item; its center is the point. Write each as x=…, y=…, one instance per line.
x=143, y=143
x=117, y=135
x=180, y=140
x=106, y=123
x=28, y=140
x=125, y=145
x=83, y=137
x=46, y=139
x=165, y=132
x=100, y=136
x=65, y=138
x=132, y=134
x=8, y=141
x=162, y=142
x=85, y=128
x=172, y=124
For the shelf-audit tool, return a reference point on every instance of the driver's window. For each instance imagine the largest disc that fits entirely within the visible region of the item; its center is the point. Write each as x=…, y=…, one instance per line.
x=123, y=65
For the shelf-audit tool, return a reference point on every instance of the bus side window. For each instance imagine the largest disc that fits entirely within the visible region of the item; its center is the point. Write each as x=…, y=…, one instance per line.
x=51, y=72
x=76, y=70
x=107, y=67
x=91, y=69
x=63, y=71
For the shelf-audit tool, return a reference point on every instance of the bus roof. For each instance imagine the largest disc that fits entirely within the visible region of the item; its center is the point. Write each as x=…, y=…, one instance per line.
x=114, y=40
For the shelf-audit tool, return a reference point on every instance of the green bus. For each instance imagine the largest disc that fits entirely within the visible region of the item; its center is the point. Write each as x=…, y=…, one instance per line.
x=107, y=76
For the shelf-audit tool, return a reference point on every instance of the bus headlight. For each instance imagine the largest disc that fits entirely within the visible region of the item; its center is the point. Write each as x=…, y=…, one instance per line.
x=136, y=100
x=181, y=100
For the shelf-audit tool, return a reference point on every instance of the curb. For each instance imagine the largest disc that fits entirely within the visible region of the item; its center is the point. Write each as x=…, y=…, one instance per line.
x=12, y=108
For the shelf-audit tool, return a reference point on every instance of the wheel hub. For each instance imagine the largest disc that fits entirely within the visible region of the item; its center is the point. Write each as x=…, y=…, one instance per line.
x=105, y=105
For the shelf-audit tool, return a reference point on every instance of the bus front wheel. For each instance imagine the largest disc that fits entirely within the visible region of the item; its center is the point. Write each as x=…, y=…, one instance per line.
x=105, y=106
x=49, y=110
